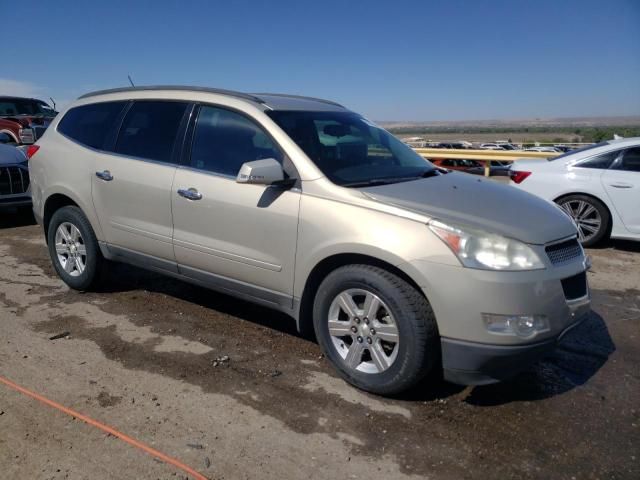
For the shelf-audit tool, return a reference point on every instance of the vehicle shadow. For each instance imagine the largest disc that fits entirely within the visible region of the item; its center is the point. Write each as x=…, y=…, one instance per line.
x=577, y=358
x=625, y=245
x=120, y=277
x=622, y=245
x=16, y=217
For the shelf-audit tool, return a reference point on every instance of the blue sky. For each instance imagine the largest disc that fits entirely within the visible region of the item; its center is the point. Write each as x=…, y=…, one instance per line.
x=391, y=60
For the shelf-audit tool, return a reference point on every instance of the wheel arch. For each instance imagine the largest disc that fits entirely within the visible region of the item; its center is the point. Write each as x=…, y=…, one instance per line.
x=324, y=268
x=54, y=203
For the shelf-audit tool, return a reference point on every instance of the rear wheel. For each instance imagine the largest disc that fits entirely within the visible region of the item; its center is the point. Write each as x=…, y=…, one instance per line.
x=378, y=330
x=591, y=217
x=73, y=248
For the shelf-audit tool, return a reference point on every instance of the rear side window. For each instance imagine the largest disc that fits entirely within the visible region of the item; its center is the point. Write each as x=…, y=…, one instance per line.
x=603, y=161
x=630, y=161
x=91, y=125
x=224, y=140
x=149, y=130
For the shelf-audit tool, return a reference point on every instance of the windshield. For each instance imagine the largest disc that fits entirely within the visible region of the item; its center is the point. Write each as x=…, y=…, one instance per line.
x=25, y=106
x=578, y=150
x=350, y=150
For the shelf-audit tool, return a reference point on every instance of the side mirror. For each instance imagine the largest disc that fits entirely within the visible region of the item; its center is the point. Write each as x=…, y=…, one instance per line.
x=261, y=172
x=4, y=138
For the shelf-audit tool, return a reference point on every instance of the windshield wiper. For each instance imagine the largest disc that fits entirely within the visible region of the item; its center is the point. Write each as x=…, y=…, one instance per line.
x=434, y=172
x=379, y=181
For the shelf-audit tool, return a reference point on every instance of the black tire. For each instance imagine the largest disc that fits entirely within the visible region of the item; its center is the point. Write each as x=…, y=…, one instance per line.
x=419, y=341
x=588, y=238
x=93, y=261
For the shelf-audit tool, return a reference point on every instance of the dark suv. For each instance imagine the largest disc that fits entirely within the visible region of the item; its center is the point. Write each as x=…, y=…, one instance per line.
x=24, y=120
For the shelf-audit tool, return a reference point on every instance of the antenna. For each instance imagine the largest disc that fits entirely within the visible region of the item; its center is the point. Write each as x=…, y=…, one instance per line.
x=130, y=81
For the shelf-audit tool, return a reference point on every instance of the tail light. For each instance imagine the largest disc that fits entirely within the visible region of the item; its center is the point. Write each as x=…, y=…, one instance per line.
x=518, y=176
x=32, y=150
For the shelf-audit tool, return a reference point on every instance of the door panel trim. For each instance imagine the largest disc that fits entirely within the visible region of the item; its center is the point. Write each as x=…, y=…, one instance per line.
x=228, y=256
x=120, y=254
x=142, y=233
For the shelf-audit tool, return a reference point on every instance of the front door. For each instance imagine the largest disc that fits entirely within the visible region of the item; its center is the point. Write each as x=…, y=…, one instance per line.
x=239, y=235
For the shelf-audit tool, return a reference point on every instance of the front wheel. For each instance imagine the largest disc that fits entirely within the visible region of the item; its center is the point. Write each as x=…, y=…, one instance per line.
x=73, y=248
x=376, y=329
x=590, y=216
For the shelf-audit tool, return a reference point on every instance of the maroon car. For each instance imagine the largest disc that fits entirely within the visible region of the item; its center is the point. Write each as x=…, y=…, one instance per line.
x=24, y=120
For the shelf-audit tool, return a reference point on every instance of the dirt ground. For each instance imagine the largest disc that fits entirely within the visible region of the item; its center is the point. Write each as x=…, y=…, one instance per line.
x=232, y=391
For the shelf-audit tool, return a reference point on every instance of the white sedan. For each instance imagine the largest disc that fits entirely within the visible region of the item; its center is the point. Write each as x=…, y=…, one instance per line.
x=599, y=186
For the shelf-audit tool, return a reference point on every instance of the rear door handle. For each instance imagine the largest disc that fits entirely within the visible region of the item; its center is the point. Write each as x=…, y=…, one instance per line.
x=105, y=175
x=190, y=193
x=621, y=185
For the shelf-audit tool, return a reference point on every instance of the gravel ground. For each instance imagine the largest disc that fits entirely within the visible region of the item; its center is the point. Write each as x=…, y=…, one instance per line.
x=232, y=391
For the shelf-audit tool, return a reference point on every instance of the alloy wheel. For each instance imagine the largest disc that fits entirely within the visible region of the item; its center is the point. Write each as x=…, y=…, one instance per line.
x=363, y=331
x=70, y=249
x=586, y=216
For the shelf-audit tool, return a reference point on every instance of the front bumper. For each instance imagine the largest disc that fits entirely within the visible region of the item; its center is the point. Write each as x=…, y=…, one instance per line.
x=468, y=363
x=471, y=354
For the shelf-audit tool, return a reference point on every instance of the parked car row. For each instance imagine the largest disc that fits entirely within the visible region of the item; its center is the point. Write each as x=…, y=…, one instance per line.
x=24, y=120
x=419, y=142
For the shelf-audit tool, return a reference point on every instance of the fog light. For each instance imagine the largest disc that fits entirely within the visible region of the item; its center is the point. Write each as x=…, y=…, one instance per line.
x=524, y=326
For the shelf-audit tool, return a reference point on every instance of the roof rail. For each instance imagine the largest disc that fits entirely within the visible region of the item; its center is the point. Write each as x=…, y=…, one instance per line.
x=301, y=97
x=231, y=93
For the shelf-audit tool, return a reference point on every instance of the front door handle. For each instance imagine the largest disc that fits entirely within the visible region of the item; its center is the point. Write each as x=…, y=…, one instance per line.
x=621, y=185
x=105, y=175
x=190, y=193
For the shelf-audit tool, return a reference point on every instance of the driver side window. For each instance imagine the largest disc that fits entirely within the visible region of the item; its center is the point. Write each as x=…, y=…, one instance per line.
x=223, y=140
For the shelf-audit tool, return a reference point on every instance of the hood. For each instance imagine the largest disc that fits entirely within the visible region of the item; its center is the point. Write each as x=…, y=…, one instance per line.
x=10, y=155
x=479, y=203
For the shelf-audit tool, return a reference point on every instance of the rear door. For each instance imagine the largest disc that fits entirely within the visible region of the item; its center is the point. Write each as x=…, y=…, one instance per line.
x=622, y=184
x=236, y=235
x=132, y=186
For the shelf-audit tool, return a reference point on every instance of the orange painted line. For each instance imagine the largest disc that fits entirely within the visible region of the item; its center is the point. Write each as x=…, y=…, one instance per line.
x=105, y=428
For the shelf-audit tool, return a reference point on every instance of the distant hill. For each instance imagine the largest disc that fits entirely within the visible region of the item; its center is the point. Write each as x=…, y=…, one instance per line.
x=542, y=130
x=569, y=122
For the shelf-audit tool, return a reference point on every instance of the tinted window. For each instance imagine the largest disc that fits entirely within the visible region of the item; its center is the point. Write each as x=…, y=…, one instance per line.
x=630, y=160
x=224, y=140
x=149, y=130
x=91, y=124
x=603, y=161
x=578, y=150
x=349, y=149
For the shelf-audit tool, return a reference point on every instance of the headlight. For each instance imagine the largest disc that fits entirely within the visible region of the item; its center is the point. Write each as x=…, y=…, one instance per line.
x=488, y=251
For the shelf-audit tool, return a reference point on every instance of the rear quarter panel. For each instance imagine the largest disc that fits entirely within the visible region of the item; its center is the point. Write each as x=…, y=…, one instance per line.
x=61, y=166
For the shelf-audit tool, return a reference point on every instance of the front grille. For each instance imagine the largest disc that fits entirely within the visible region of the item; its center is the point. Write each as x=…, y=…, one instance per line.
x=38, y=132
x=575, y=287
x=564, y=252
x=14, y=180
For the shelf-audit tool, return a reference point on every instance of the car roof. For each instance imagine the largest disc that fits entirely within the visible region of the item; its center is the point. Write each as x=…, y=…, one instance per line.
x=267, y=101
x=624, y=142
x=12, y=97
